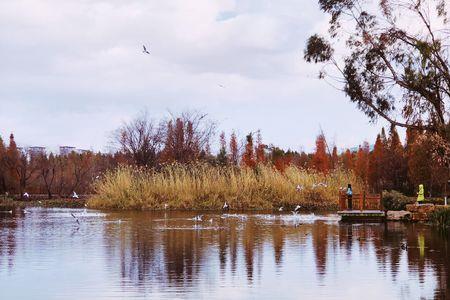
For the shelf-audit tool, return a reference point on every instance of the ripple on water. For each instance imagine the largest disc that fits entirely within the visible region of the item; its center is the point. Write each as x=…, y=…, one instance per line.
x=157, y=255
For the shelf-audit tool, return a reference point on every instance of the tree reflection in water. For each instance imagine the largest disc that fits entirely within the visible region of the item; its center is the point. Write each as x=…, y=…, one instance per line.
x=174, y=252
x=167, y=255
x=8, y=225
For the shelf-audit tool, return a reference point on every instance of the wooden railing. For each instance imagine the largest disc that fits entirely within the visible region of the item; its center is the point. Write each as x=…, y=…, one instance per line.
x=361, y=201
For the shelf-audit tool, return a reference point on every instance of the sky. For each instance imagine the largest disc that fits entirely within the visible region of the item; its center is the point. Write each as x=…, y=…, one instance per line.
x=73, y=71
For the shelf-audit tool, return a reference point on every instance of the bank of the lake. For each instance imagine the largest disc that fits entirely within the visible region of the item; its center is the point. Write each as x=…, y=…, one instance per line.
x=10, y=204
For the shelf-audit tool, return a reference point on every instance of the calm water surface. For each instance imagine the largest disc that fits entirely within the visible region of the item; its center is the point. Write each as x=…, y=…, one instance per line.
x=45, y=254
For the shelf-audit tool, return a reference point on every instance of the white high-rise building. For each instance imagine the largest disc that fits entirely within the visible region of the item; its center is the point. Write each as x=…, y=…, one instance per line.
x=66, y=150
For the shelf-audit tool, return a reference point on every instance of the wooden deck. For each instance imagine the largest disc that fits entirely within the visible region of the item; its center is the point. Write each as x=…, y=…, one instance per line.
x=365, y=208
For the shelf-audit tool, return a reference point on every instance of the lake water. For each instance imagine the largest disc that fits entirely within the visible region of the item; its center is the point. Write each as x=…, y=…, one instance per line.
x=46, y=254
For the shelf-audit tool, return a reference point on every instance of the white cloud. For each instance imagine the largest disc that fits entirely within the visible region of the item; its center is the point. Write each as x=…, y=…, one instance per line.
x=71, y=70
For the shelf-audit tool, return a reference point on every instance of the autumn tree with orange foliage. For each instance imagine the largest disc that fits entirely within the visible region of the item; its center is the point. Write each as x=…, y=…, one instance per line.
x=334, y=158
x=248, y=157
x=320, y=160
x=260, y=150
x=376, y=157
x=280, y=159
x=348, y=160
x=362, y=163
x=395, y=165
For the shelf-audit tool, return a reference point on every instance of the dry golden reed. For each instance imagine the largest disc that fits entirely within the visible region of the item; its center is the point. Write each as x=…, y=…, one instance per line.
x=202, y=186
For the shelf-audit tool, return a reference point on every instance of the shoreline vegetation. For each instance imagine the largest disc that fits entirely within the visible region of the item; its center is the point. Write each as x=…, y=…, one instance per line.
x=11, y=204
x=204, y=187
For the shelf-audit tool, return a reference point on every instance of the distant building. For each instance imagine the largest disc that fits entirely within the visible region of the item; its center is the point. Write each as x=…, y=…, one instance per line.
x=66, y=150
x=82, y=151
x=36, y=150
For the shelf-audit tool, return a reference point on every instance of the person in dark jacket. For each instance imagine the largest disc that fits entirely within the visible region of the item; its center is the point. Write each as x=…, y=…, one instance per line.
x=349, y=197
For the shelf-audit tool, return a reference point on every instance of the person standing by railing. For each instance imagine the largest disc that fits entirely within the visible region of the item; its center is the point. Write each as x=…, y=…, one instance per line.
x=349, y=197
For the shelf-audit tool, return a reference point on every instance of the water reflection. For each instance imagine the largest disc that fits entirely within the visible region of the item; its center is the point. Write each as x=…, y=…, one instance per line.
x=167, y=255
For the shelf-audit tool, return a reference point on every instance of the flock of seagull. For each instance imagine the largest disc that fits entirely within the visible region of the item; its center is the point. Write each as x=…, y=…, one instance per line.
x=226, y=207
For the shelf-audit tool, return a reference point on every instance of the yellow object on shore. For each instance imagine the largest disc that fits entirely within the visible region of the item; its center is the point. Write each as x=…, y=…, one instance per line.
x=421, y=194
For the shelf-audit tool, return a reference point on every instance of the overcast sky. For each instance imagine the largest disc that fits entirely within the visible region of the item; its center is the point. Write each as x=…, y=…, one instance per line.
x=72, y=71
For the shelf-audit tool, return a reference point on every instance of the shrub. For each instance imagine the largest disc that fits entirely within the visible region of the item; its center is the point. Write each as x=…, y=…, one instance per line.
x=394, y=200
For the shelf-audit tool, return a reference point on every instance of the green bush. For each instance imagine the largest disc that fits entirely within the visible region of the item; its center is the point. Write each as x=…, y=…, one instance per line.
x=441, y=217
x=393, y=200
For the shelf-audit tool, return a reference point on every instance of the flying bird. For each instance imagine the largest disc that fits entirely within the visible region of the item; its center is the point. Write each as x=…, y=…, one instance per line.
x=221, y=85
x=145, y=50
x=75, y=196
x=226, y=206
x=76, y=219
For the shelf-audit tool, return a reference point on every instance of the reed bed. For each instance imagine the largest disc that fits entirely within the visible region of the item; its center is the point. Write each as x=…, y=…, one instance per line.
x=206, y=187
x=441, y=218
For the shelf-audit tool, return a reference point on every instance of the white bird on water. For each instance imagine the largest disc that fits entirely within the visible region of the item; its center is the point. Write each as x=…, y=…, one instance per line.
x=198, y=218
x=281, y=208
x=296, y=209
x=26, y=195
x=166, y=205
x=226, y=206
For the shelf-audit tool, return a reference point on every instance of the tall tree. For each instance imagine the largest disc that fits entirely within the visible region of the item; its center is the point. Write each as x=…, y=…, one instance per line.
x=260, y=149
x=334, y=158
x=222, y=157
x=423, y=168
x=362, y=163
x=248, y=157
x=187, y=137
x=395, y=165
x=321, y=161
x=47, y=172
x=348, y=160
x=234, y=150
x=3, y=168
x=376, y=165
x=140, y=140
x=390, y=68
